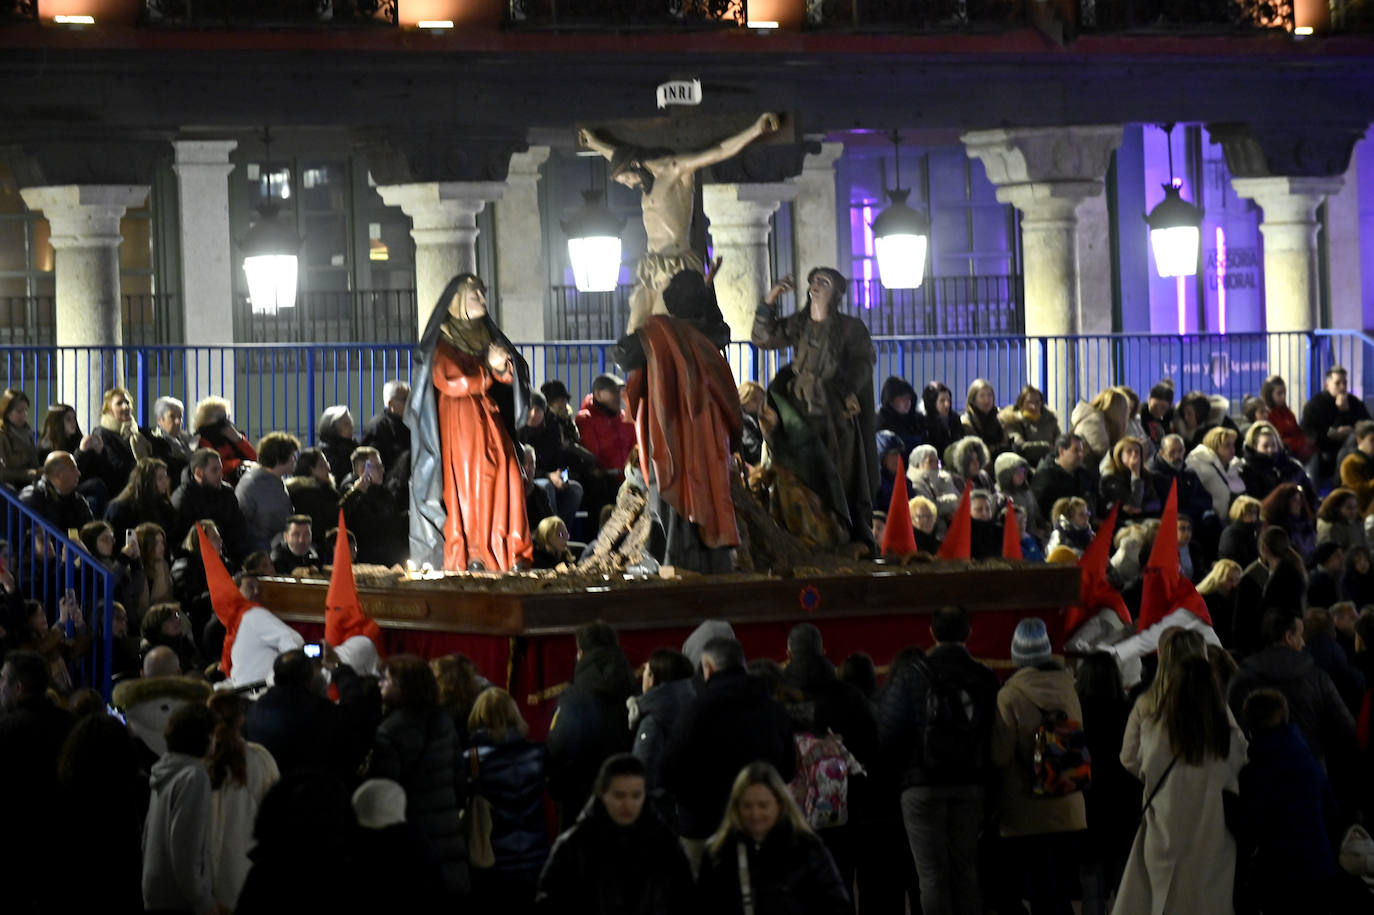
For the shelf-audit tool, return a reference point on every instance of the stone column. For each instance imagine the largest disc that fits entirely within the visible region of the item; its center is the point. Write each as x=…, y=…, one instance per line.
x=814, y=218
x=738, y=215
x=443, y=218
x=1291, y=277
x=521, y=273
x=1045, y=172
x=207, y=270
x=84, y=219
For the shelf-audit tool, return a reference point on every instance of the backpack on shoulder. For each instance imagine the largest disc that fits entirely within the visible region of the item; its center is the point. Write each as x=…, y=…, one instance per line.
x=1061, y=765
x=955, y=736
x=821, y=785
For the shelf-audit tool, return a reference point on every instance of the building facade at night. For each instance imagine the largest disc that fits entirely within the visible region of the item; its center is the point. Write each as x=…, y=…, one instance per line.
x=136, y=149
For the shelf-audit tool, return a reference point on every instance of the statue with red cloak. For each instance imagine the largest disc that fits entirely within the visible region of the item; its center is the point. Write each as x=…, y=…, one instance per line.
x=467, y=496
x=687, y=416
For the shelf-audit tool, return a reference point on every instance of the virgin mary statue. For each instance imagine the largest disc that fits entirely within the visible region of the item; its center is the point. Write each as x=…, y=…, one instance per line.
x=467, y=497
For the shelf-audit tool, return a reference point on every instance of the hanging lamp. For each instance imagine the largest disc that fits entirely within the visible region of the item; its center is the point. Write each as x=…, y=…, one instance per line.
x=901, y=235
x=270, y=252
x=594, y=242
x=1175, y=226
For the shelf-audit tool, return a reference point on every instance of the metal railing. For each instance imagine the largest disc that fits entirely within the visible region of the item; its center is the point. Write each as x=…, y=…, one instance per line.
x=360, y=315
x=47, y=564
x=286, y=386
x=31, y=320
x=942, y=305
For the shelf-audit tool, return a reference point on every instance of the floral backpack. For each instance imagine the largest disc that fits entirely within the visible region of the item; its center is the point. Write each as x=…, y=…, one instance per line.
x=821, y=785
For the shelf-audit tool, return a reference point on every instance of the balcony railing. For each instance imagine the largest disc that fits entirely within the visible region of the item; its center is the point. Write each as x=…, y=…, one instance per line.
x=270, y=13
x=1073, y=16
x=943, y=305
x=362, y=315
x=622, y=14
x=147, y=318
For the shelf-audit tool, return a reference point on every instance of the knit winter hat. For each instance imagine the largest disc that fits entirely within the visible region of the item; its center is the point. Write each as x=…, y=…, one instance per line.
x=379, y=803
x=1030, y=644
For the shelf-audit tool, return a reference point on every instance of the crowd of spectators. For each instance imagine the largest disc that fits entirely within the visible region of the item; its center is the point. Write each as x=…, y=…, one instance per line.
x=1228, y=778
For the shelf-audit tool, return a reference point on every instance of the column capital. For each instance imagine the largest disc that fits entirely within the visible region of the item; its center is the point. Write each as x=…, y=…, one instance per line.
x=84, y=215
x=208, y=154
x=442, y=212
x=1287, y=199
x=822, y=164
x=1045, y=171
x=525, y=166
x=739, y=213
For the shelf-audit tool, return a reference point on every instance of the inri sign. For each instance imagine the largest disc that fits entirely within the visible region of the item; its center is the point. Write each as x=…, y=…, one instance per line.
x=679, y=92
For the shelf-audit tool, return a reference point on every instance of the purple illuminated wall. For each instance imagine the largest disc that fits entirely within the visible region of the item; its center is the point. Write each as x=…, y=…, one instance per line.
x=1232, y=291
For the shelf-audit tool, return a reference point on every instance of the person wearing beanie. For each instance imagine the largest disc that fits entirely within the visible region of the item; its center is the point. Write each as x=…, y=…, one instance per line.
x=396, y=848
x=1157, y=413
x=1040, y=833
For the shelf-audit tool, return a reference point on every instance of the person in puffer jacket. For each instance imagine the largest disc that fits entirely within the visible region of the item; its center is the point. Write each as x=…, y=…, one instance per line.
x=968, y=462
x=889, y=465
x=1217, y=468
x=1031, y=426
x=1013, y=482
x=928, y=480
x=507, y=769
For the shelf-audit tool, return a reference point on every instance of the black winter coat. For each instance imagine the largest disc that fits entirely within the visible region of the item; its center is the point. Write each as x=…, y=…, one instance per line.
x=194, y=502
x=62, y=512
x=659, y=711
x=379, y=523
x=1322, y=415
x=1050, y=483
x=1262, y=473
x=338, y=453
x=419, y=749
x=733, y=723
x=389, y=434
x=910, y=426
x=790, y=873
x=510, y=776
x=125, y=515
x=591, y=724
x=600, y=868
x=317, y=499
x=1240, y=541
x=1314, y=705
x=1193, y=498
x=902, y=714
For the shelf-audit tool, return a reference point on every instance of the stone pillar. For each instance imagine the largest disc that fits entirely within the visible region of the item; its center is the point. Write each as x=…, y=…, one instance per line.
x=738, y=215
x=1291, y=277
x=84, y=219
x=521, y=273
x=207, y=270
x=443, y=218
x=1045, y=172
x=814, y=217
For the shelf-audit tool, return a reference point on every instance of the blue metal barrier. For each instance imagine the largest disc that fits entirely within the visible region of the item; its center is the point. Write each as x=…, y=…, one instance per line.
x=46, y=564
x=285, y=386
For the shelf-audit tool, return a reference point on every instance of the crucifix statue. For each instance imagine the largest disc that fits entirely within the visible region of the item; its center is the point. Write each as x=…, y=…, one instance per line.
x=667, y=181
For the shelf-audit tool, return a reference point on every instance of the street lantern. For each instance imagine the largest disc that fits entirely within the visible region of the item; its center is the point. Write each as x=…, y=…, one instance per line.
x=270, y=252
x=270, y=263
x=594, y=244
x=901, y=235
x=1175, y=225
x=1175, y=234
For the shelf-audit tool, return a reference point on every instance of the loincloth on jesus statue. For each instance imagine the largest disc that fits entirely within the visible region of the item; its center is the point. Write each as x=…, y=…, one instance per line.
x=653, y=272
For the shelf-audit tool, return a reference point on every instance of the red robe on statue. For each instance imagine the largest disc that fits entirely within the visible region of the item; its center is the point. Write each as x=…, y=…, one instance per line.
x=483, y=490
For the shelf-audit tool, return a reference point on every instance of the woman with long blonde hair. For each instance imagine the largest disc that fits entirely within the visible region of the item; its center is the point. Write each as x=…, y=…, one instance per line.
x=1100, y=423
x=765, y=852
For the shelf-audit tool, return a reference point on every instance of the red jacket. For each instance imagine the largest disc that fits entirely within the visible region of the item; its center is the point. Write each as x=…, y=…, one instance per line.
x=1293, y=437
x=608, y=437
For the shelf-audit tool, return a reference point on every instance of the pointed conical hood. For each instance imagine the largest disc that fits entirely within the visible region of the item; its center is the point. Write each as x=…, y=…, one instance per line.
x=1165, y=589
x=229, y=603
x=899, y=537
x=959, y=538
x=1011, y=534
x=1096, y=591
x=343, y=612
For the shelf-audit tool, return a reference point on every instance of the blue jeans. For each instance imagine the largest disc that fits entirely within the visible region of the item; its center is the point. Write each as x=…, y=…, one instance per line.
x=942, y=826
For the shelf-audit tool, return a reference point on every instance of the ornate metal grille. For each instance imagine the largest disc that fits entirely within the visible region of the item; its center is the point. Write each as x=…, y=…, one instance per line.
x=648, y=14
x=270, y=13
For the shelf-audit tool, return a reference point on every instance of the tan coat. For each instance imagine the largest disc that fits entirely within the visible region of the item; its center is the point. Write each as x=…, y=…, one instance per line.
x=1019, y=705
x=1183, y=858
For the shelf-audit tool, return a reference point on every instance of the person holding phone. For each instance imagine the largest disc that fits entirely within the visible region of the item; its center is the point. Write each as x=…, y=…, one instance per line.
x=371, y=513
x=217, y=431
